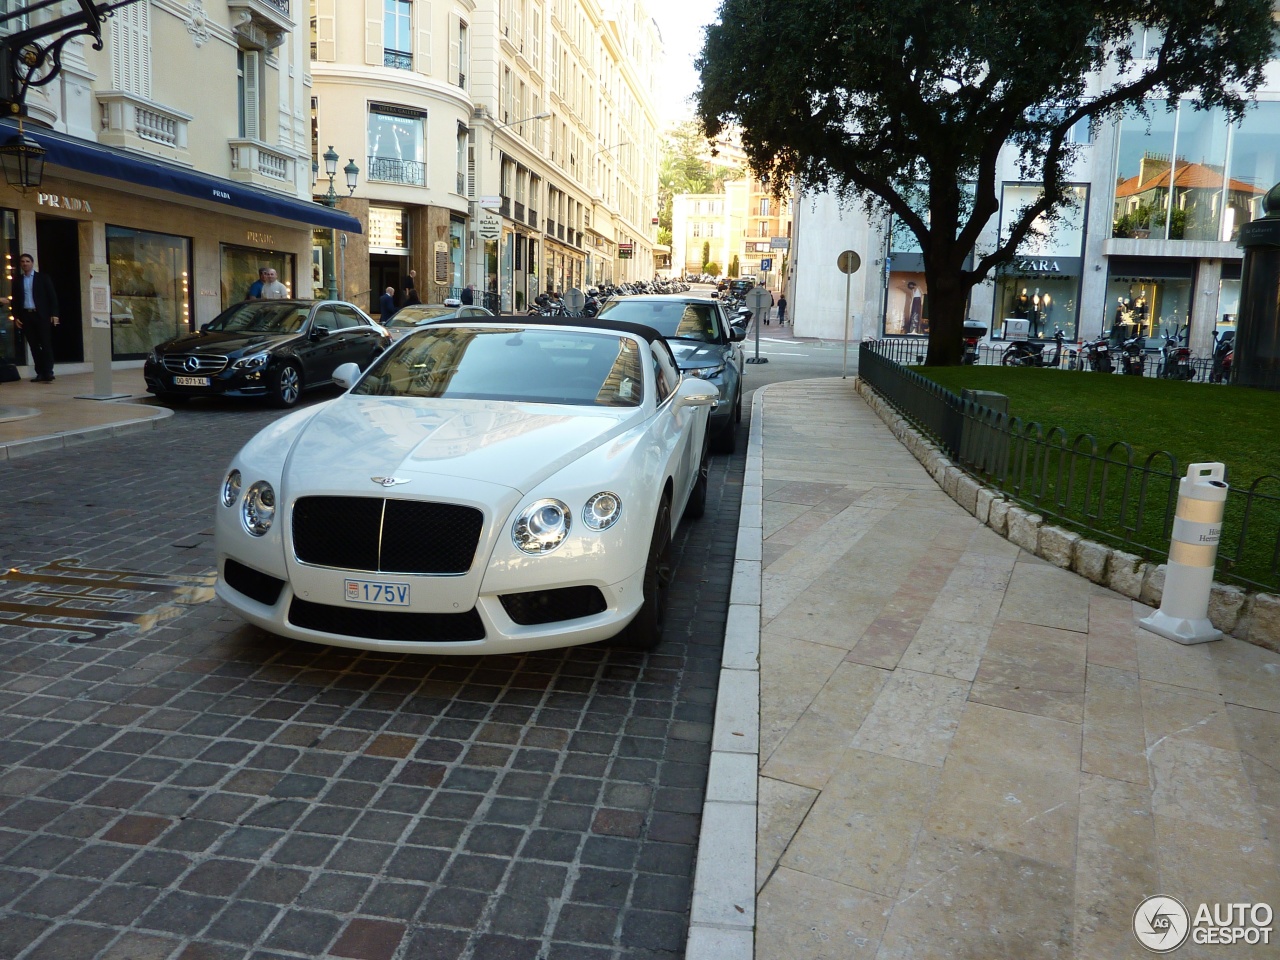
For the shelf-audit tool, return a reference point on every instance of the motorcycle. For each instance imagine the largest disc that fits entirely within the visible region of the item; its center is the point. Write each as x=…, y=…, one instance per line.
x=1175, y=359
x=1224, y=353
x=1025, y=353
x=1097, y=354
x=974, y=331
x=1133, y=361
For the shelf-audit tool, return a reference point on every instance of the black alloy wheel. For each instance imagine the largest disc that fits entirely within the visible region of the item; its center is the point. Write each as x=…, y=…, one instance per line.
x=1013, y=357
x=645, y=631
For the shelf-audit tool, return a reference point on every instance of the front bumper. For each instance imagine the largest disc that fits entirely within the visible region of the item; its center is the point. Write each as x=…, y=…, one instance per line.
x=501, y=634
x=228, y=382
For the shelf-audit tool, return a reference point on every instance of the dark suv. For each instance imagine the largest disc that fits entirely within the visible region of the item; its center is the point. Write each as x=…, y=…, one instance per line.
x=705, y=345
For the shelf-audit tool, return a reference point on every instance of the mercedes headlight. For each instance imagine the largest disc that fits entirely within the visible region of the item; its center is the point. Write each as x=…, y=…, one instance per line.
x=231, y=489
x=259, y=508
x=602, y=510
x=253, y=361
x=541, y=527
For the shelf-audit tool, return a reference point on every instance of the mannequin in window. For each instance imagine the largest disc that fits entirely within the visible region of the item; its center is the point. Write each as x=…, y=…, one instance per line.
x=911, y=321
x=1021, y=306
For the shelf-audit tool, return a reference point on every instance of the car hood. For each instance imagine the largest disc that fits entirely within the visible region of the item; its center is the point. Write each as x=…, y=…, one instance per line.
x=223, y=343
x=513, y=444
x=691, y=354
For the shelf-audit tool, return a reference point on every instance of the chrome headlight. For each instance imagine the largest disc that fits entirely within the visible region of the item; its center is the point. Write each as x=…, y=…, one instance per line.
x=541, y=527
x=252, y=362
x=707, y=373
x=602, y=510
x=231, y=489
x=259, y=508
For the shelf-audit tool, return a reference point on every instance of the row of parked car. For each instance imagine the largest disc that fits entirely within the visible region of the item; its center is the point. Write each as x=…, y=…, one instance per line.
x=483, y=485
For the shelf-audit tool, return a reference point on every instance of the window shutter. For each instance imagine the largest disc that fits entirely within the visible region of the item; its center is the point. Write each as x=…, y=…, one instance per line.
x=326, y=30
x=372, y=32
x=422, y=11
x=252, y=95
x=517, y=31
x=471, y=164
x=131, y=56
x=455, y=51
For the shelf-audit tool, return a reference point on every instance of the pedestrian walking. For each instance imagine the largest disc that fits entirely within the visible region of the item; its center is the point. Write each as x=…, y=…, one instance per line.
x=782, y=310
x=387, y=304
x=34, y=305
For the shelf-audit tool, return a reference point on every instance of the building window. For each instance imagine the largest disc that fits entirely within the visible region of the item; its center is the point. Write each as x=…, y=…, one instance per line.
x=131, y=49
x=764, y=229
x=249, y=92
x=464, y=53
x=397, y=145
x=150, y=275
x=697, y=229
x=764, y=206
x=397, y=34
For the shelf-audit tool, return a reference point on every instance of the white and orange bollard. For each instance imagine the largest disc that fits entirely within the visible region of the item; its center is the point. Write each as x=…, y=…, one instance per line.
x=1193, y=549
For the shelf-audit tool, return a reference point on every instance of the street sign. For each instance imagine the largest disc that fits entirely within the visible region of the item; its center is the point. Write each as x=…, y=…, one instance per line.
x=766, y=264
x=624, y=251
x=574, y=301
x=779, y=243
x=489, y=228
x=490, y=203
x=758, y=300
x=848, y=262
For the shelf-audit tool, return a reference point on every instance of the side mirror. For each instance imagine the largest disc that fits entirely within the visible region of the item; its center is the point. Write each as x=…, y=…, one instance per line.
x=695, y=392
x=318, y=333
x=204, y=328
x=346, y=375
x=737, y=333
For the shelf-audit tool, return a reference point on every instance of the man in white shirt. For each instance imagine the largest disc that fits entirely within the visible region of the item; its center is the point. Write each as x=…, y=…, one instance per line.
x=272, y=288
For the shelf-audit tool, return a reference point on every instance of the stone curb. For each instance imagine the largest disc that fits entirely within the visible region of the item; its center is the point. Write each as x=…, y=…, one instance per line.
x=723, y=915
x=1253, y=617
x=15, y=449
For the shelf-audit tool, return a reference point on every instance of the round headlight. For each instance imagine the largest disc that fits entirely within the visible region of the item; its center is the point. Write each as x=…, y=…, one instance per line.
x=231, y=489
x=259, y=508
x=602, y=511
x=541, y=527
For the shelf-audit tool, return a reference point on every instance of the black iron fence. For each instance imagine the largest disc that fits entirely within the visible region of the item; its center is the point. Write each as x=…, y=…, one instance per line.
x=1109, y=492
x=910, y=351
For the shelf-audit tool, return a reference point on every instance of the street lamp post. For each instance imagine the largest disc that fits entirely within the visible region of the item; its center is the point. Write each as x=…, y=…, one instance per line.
x=331, y=199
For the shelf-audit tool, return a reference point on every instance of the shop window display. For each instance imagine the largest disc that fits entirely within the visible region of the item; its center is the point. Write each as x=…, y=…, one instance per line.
x=150, y=277
x=240, y=271
x=1146, y=306
x=1049, y=303
x=12, y=347
x=908, y=313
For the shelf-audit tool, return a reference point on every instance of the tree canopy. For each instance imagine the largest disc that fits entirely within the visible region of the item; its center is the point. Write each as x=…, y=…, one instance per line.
x=909, y=103
x=685, y=168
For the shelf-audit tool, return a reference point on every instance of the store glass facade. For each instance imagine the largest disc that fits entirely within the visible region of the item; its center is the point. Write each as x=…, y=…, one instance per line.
x=1148, y=298
x=150, y=276
x=1190, y=175
x=1042, y=283
x=240, y=270
x=12, y=349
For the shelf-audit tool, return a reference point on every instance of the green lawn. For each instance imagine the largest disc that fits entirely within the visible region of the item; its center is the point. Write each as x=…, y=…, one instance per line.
x=1195, y=422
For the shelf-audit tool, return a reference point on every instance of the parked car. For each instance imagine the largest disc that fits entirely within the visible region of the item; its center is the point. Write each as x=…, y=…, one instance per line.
x=705, y=344
x=265, y=348
x=484, y=487
x=407, y=319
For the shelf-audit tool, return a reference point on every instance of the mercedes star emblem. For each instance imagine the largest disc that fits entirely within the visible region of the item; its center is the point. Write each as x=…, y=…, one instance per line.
x=192, y=364
x=388, y=481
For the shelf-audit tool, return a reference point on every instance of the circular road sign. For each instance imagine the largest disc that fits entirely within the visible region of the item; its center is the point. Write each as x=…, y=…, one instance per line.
x=574, y=300
x=759, y=300
x=848, y=262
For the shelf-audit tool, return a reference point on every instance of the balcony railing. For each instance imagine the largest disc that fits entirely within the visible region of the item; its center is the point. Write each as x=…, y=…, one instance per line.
x=532, y=218
x=505, y=209
x=281, y=5
x=393, y=170
x=251, y=159
x=397, y=59
x=124, y=117
x=462, y=184
x=519, y=210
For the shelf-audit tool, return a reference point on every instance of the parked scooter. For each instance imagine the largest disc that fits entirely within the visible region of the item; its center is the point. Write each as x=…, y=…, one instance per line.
x=1133, y=356
x=1175, y=359
x=1224, y=353
x=1028, y=353
x=1097, y=355
x=974, y=330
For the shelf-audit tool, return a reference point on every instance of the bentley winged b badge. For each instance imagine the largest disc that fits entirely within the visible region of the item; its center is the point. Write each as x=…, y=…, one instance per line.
x=388, y=481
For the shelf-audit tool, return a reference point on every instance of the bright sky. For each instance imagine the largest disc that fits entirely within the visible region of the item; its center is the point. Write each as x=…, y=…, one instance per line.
x=681, y=23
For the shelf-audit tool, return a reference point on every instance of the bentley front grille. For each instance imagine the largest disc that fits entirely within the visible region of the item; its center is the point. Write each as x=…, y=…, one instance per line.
x=194, y=363
x=386, y=536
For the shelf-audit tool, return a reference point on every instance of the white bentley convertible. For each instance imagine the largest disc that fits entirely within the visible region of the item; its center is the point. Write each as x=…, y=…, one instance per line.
x=485, y=487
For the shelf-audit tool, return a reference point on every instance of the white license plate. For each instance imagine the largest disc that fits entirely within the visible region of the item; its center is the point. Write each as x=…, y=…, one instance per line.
x=381, y=593
x=190, y=381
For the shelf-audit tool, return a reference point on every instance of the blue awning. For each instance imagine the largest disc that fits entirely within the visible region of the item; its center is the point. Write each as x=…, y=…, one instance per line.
x=76, y=154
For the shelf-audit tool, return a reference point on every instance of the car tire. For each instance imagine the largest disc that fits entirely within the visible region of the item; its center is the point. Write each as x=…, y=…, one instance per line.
x=697, y=505
x=644, y=632
x=285, y=385
x=737, y=408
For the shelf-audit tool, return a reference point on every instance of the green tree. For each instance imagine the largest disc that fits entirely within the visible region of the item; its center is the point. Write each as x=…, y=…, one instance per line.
x=664, y=236
x=712, y=267
x=734, y=266
x=909, y=104
x=706, y=256
x=684, y=168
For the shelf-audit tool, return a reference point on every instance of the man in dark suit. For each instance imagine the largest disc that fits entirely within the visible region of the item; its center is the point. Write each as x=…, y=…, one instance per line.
x=387, y=304
x=35, y=310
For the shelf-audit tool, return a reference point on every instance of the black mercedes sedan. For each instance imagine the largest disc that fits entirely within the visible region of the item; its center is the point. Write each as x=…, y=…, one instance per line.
x=265, y=348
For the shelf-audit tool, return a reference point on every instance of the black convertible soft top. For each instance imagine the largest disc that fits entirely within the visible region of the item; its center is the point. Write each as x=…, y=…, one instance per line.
x=640, y=330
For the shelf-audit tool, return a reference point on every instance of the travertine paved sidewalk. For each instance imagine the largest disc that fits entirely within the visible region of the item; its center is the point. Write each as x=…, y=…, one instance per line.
x=967, y=752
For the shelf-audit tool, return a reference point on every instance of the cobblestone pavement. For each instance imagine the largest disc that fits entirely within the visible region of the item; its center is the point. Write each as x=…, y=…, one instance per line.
x=190, y=787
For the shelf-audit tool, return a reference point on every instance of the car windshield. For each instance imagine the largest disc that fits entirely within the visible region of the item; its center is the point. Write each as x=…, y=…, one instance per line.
x=412, y=316
x=673, y=319
x=262, y=316
x=509, y=363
